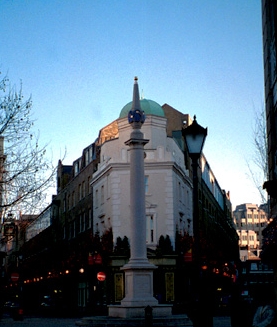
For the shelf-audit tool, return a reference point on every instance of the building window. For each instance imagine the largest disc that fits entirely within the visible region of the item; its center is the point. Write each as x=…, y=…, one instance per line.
x=96, y=199
x=102, y=226
x=89, y=188
x=179, y=191
x=86, y=221
x=72, y=229
x=80, y=191
x=107, y=187
x=82, y=295
x=76, y=168
x=87, y=157
x=181, y=222
x=73, y=199
x=150, y=229
x=82, y=222
x=146, y=184
x=89, y=218
x=102, y=194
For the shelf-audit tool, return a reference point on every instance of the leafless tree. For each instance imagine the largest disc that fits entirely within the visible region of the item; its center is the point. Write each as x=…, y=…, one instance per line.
x=258, y=165
x=25, y=172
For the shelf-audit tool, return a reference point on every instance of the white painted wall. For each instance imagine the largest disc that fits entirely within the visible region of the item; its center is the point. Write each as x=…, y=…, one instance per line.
x=169, y=196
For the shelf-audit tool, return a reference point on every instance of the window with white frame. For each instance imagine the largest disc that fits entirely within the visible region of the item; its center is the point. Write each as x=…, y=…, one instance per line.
x=107, y=187
x=150, y=229
x=87, y=157
x=76, y=168
x=102, y=226
x=96, y=199
x=102, y=194
x=179, y=192
x=146, y=184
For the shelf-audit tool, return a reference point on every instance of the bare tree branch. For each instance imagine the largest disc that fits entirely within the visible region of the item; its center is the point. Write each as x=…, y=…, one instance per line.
x=26, y=171
x=259, y=159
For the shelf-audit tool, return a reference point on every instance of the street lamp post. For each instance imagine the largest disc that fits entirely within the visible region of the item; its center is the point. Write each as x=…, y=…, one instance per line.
x=194, y=136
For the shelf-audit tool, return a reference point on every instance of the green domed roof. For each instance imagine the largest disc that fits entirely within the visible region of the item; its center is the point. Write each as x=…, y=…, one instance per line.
x=148, y=106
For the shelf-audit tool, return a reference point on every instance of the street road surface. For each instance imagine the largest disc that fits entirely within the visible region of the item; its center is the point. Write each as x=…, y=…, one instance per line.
x=70, y=322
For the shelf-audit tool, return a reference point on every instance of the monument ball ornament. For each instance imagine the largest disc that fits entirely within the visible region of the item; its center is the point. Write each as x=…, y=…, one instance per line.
x=136, y=116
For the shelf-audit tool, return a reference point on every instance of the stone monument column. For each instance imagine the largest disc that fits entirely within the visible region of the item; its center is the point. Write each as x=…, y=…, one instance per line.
x=138, y=271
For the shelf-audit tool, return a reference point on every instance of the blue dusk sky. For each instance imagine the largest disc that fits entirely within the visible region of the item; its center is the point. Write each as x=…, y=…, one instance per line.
x=78, y=60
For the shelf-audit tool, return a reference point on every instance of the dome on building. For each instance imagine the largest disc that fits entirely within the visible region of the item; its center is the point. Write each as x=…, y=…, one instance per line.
x=149, y=107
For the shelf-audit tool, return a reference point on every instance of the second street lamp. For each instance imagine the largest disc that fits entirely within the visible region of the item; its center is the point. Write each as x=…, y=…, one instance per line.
x=194, y=136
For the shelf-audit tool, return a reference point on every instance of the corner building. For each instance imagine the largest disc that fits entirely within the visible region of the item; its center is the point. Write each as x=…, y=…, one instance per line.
x=90, y=229
x=168, y=197
x=168, y=188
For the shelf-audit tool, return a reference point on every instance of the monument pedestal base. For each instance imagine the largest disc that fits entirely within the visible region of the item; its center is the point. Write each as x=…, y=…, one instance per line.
x=120, y=311
x=139, y=293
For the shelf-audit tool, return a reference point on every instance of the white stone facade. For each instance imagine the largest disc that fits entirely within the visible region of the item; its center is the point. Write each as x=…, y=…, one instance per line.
x=168, y=189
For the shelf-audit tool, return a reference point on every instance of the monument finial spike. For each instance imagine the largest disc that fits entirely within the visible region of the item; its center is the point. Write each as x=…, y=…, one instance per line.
x=136, y=116
x=136, y=102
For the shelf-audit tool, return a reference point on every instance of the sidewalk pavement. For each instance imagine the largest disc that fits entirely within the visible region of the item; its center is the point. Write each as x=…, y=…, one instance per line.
x=219, y=321
x=222, y=321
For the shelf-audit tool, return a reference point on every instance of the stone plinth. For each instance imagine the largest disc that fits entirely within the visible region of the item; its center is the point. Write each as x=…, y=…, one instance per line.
x=138, y=292
x=133, y=311
x=138, y=284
